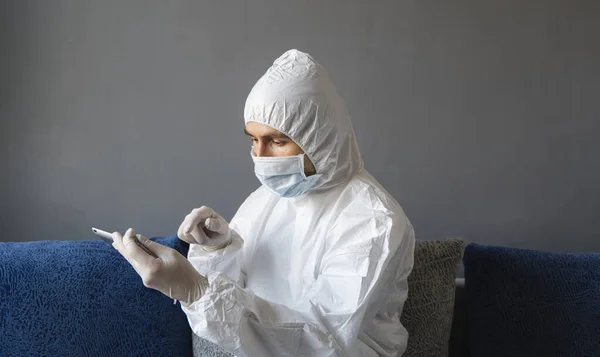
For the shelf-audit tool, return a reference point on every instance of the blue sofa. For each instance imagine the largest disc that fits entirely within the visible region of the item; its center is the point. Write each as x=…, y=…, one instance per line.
x=82, y=299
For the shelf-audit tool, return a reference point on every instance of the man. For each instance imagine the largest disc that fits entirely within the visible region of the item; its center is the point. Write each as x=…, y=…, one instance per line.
x=315, y=262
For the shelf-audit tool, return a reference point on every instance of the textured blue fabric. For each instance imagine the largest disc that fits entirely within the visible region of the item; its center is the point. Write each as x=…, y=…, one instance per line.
x=81, y=298
x=532, y=303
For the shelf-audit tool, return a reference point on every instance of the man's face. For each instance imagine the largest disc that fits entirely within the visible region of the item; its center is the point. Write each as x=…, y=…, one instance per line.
x=268, y=142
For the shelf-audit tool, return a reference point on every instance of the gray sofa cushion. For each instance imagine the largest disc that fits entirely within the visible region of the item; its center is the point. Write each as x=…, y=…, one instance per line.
x=203, y=348
x=427, y=313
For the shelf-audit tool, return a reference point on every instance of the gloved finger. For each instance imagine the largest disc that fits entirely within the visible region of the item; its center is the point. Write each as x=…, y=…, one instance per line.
x=117, y=237
x=134, y=251
x=118, y=245
x=183, y=227
x=181, y=235
x=216, y=225
x=197, y=222
x=157, y=248
x=198, y=235
x=216, y=241
x=196, y=217
x=191, y=229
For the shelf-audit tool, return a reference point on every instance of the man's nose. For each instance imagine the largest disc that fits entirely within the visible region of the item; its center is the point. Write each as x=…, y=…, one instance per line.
x=260, y=149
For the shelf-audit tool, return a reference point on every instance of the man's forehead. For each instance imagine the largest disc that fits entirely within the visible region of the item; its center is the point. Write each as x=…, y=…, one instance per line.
x=261, y=130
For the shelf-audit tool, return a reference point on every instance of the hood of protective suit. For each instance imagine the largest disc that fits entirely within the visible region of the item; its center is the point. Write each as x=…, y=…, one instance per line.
x=296, y=97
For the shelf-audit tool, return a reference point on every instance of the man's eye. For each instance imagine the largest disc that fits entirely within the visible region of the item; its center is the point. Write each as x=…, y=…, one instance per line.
x=279, y=143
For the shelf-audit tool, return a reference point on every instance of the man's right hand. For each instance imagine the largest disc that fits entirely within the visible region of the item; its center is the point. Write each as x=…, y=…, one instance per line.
x=205, y=227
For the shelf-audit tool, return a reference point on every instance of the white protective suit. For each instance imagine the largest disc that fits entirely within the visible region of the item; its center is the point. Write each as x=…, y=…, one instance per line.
x=323, y=274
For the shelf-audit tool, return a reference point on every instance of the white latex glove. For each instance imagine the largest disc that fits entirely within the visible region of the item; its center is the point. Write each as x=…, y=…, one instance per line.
x=171, y=273
x=205, y=227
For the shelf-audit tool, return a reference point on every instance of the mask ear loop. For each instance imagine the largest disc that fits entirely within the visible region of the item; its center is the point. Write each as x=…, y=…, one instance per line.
x=301, y=163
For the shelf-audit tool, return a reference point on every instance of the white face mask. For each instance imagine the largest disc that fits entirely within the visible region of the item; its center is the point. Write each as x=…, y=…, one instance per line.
x=284, y=175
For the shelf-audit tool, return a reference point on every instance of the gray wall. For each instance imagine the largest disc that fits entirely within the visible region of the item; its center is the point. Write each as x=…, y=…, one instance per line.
x=481, y=117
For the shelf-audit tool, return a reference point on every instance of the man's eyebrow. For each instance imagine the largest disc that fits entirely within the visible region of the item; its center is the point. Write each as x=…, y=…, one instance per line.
x=271, y=136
